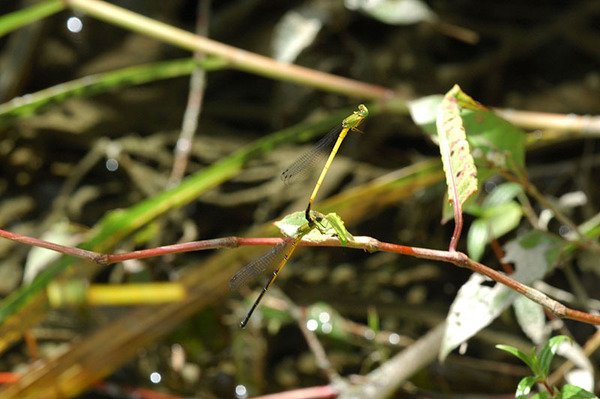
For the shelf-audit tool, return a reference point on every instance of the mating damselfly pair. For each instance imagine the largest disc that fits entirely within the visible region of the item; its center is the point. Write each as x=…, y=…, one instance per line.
x=279, y=255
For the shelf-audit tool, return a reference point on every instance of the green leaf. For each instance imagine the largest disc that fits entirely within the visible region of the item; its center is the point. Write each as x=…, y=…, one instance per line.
x=524, y=387
x=497, y=141
x=373, y=319
x=459, y=166
x=569, y=391
x=493, y=223
x=290, y=224
x=525, y=358
x=502, y=194
x=548, y=351
x=472, y=208
x=447, y=211
x=492, y=139
x=503, y=218
x=477, y=238
x=541, y=395
x=465, y=101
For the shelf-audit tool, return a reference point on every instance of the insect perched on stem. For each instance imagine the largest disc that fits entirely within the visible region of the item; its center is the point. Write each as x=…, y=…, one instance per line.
x=279, y=255
x=305, y=161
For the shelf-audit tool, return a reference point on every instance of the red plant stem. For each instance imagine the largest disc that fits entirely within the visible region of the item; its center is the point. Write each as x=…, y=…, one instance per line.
x=32, y=345
x=458, y=223
x=462, y=260
x=446, y=153
x=367, y=243
x=499, y=254
x=63, y=249
x=227, y=242
x=548, y=387
x=318, y=392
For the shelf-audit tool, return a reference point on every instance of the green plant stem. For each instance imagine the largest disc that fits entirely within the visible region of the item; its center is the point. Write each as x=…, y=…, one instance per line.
x=103, y=82
x=20, y=18
x=235, y=57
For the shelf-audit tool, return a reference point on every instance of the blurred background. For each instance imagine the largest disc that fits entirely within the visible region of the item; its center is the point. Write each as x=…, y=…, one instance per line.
x=66, y=165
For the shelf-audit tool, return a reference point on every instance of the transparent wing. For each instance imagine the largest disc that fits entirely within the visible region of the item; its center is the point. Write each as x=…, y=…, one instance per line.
x=304, y=163
x=258, y=266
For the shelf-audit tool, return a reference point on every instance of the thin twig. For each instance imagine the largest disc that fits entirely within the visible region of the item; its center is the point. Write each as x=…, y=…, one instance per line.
x=385, y=380
x=584, y=124
x=317, y=349
x=194, y=104
x=565, y=296
x=528, y=210
x=234, y=57
x=63, y=249
x=366, y=243
x=522, y=180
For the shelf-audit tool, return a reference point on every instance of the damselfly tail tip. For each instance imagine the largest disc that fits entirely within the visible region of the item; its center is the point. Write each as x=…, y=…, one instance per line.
x=244, y=322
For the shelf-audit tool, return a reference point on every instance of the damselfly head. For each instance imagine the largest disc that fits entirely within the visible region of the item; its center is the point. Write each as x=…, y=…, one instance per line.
x=362, y=111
